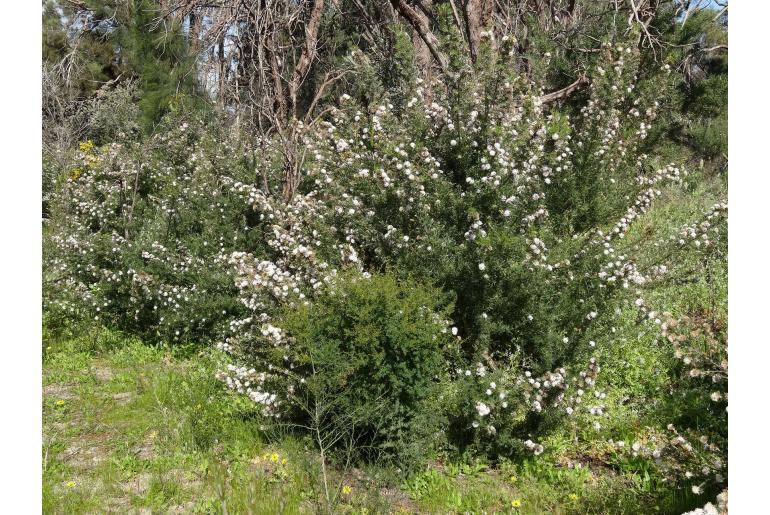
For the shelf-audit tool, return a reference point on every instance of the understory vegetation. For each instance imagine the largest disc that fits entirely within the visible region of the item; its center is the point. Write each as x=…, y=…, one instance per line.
x=397, y=259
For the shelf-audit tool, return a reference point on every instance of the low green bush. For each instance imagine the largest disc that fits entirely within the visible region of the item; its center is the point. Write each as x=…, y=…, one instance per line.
x=365, y=363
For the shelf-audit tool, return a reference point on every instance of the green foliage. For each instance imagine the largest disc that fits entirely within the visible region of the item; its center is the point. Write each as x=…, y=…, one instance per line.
x=159, y=60
x=105, y=41
x=374, y=350
x=113, y=114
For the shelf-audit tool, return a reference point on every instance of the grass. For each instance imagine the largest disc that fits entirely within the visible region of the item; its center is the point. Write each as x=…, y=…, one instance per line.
x=132, y=428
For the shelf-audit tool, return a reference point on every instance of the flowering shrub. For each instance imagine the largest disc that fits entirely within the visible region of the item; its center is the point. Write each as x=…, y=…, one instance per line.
x=459, y=256
x=136, y=237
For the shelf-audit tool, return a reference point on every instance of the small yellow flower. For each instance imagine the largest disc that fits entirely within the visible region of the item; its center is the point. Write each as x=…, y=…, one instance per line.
x=516, y=503
x=346, y=490
x=86, y=146
x=513, y=479
x=573, y=497
x=153, y=435
x=76, y=173
x=274, y=457
x=71, y=484
x=60, y=402
x=283, y=461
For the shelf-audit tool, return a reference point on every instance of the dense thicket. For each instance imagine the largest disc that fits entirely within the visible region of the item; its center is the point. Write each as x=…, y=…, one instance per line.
x=468, y=227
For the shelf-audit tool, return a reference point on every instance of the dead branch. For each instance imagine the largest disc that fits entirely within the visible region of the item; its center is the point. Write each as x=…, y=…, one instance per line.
x=419, y=25
x=563, y=93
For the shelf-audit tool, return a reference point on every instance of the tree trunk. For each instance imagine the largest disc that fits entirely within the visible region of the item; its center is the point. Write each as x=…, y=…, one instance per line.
x=421, y=51
x=193, y=32
x=309, y=50
x=222, y=71
x=478, y=15
x=422, y=28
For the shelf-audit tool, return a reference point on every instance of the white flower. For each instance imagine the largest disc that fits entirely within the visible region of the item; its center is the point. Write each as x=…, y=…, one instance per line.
x=482, y=266
x=453, y=142
x=454, y=331
x=482, y=409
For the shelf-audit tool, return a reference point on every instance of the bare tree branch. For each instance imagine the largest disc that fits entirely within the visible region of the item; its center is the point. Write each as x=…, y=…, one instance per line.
x=563, y=93
x=423, y=30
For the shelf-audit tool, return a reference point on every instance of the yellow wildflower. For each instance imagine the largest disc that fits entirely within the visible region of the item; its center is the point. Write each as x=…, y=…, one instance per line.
x=516, y=503
x=60, y=402
x=86, y=146
x=573, y=497
x=513, y=479
x=76, y=173
x=274, y=457
x=346, y=490
x=283, y=461
x=71, y=484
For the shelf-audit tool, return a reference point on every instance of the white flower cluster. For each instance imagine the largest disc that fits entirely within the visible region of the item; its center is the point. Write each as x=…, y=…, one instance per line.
x=251, y=383
x=703, y=232
x=475, y=231
x=709, y=508
x=536, y=448
x=507, y=393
